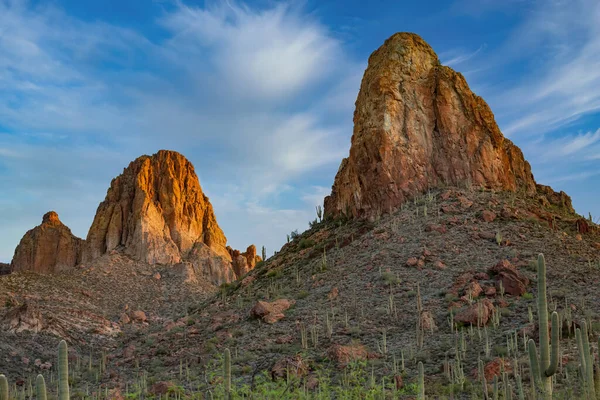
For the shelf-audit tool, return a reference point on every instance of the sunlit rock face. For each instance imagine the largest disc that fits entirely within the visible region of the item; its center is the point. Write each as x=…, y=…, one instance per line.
x=417, y=126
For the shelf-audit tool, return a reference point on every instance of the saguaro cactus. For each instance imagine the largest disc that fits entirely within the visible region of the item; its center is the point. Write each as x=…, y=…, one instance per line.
x=40, y=387
x=227, y=373
x=3, y=388
x=544, y=366
x=587, y=361
x=421, y=383
x=63, y=371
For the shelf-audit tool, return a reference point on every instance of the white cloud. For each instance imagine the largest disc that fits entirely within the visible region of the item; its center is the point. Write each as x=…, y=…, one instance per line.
x=269, y=54
x=237, y=90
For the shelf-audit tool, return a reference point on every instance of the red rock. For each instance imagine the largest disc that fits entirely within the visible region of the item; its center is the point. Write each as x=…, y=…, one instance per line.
x=474, y=289
x=346, y=354
x=417, y=125
x=271, y=312
x=488, y=216
x=398, y=381
x=481, y=276
x=495, y=368
x=513, y=282
x=124, y=319
x=49, y=247
x=24, y=318
x=412, y=261
x=157, y=276
x=439, y=265
x=428, y=322
x=285, y=339
x=490, y=291
x=465, y=203
x=479, y=312
x=435, y=228
x=161, y=388
x=138, y=316
x=155, y=209
x=333, y=294
x=289, y=367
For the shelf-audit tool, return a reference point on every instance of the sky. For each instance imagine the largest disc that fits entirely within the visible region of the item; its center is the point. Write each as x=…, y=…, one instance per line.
x=259, y=96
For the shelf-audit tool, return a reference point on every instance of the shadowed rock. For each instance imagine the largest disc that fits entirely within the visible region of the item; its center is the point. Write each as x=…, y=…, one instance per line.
x=49, y=247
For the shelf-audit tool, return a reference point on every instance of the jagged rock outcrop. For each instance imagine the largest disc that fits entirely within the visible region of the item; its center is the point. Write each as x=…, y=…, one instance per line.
x=49, y=247
x=244, y=262
x=417, y=126
x=156, y=212
x=4, y=269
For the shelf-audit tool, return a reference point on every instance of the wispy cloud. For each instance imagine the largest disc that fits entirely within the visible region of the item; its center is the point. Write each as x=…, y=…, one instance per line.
x=456, y=57
x=234, y=88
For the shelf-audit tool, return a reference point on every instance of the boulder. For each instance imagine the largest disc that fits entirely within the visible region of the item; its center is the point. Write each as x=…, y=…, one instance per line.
x=271, y=312
x=49, y=247
x=156, y=212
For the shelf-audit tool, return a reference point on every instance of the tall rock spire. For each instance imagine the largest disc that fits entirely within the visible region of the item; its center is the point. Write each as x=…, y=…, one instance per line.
x=417, y=126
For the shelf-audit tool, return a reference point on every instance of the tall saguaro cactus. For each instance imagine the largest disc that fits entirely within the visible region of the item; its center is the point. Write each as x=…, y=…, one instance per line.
x=544, y=366
x=63, y=371
x=587, y=361
x=40, y=387
x=3, y=388
x=227, y=373
x=421, y=383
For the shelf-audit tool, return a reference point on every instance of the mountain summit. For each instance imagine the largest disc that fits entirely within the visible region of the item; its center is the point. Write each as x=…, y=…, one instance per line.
x=418, y=126
x=49, y=247
x=156, y=211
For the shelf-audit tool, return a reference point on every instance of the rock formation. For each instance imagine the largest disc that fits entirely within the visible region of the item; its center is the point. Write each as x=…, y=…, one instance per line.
x=417, y=126
x=244, y=262
x=4, y=269
x=156, y=212
x=49, y=247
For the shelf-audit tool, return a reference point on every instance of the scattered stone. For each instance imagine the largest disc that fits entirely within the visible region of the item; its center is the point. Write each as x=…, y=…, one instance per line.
x=333, y=294
x=427, y=322
x=412, y=261
x=138, y=316
x=289, y=367
x=488, y=216
x=477, y=313
x=439, y=265
x=346, y=354
x=124, y=319
x=271, y=312
x=513, y=282
x=161, y=388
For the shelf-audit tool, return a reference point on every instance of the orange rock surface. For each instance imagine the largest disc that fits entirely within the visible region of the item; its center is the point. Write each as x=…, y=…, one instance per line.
x=417, y=126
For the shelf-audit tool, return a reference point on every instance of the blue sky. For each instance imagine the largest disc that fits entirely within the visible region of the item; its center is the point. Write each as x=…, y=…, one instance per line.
x=260, y=96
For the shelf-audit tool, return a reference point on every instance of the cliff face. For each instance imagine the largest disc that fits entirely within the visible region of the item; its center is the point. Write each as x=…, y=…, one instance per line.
x=417, y=125
x=49, y=247
x=156, y=211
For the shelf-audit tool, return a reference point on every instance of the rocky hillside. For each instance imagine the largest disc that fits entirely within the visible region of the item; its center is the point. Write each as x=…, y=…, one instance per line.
x=427, y=258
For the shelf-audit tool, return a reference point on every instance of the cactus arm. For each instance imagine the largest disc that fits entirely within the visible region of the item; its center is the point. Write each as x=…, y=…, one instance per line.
x=543, y=314
x=3, y=388
x=227, y=373
x=63, y=371
x=534, y=362
x=520, y=388
x=421, y=382
x=551, y=370
x=40, y=386
x=589, y=360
